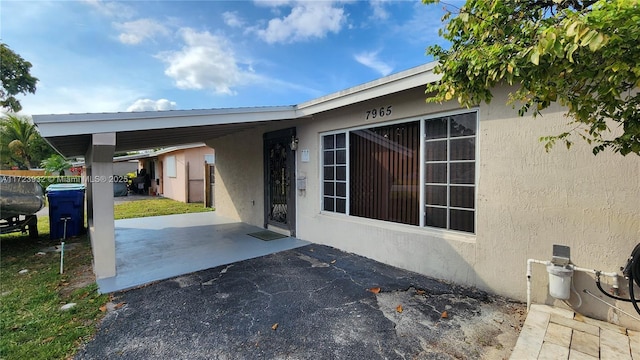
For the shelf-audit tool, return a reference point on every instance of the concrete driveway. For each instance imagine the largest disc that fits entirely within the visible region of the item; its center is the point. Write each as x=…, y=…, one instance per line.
x=312, y=302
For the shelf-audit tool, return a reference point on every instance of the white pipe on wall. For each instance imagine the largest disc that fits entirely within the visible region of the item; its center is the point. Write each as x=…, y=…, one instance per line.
x=530, y=262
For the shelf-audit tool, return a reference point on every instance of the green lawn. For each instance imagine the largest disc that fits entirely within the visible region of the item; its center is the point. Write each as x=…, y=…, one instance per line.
x=32, y=326
x=155, y=207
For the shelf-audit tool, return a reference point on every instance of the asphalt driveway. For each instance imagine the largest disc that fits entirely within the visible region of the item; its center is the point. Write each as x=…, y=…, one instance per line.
x=313, y=302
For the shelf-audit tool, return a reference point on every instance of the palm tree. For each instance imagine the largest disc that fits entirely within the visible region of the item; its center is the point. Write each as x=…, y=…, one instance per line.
x=16, y=137
x=55, y=164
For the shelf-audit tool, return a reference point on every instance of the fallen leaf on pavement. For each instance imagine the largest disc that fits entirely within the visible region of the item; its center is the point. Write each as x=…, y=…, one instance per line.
x=103, y=308
x=420, y=292
x=444, y=315
x=119, y=305
x=399, y=308
x=275, y=326
x=375, y=290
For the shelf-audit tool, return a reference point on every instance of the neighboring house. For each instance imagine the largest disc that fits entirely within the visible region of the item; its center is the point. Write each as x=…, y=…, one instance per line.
x=463, y=195
x=178, y=172
x=122, y=165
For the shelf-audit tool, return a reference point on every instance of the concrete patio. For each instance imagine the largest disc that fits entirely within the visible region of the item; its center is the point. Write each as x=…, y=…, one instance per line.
x=161, y=247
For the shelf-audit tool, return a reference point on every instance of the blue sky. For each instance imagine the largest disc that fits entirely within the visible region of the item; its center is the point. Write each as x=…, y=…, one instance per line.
x=103, y=56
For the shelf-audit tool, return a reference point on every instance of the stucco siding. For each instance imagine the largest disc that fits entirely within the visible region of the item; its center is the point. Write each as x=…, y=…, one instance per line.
x=444, y=255
x=239, y=190
x=529, y=199
x=188, y=184
x=526, y=201
x=196, y=164
x=174, y=187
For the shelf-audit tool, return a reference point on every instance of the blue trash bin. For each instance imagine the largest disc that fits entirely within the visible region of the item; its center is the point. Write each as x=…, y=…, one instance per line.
x=66, y=210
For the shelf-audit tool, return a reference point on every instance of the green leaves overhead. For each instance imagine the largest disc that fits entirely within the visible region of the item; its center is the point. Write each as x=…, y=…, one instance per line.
x=583, y=54
x=16, y=78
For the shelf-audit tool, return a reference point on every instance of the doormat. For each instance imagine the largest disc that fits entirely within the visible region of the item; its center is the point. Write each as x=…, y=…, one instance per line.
x=267, y=235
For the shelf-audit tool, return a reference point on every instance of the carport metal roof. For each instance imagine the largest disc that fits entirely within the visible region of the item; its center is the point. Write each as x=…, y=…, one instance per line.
x=70, y=134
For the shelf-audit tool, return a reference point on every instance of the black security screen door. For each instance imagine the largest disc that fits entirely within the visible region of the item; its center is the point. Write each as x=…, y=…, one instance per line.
x=279, y=179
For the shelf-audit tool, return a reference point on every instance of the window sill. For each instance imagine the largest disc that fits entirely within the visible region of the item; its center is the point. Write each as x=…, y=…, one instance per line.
x=449, y=235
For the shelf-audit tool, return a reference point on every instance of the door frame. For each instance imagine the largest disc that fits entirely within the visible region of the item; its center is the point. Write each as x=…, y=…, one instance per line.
x=286, y=136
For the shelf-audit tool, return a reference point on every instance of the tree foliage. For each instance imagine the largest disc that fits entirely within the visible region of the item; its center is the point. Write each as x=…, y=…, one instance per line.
x=582, y=54
x=16, y=79
x=55, y=164
x=20, y=143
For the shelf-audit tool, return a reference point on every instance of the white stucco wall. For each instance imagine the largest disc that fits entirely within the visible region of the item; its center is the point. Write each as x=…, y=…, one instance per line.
x=527, y=200
x=174, y=187
x=239, y=190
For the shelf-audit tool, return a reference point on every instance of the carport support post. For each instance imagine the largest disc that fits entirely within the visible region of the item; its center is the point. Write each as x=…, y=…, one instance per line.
x=98, y=179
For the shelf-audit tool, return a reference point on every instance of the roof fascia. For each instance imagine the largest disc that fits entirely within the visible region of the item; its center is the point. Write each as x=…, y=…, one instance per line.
x=177, y=148
x=91, y=123
x=414, y=77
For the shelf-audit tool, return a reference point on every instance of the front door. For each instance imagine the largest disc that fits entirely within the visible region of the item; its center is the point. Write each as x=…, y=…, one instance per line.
x=279, y=180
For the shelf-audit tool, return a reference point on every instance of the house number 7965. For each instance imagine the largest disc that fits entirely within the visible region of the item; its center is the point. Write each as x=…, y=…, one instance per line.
x=382, y=112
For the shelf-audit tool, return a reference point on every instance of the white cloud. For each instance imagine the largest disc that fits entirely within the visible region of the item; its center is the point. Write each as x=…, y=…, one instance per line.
x=379, y=11
x=272, y=3
x=112, y=9
x=232, y=19
x=134, y=32
x=307, y=20
x=78, y=99
x=423, y=25
x=152, y=105
x=205, y=62
x=370, y=59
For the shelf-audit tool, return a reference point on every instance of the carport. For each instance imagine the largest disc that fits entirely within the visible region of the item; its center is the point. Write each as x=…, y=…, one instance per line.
x=98, y=136
x=161, y=247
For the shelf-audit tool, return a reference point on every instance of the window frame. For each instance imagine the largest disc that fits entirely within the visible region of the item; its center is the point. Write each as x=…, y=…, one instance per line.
x=448, y=184
x=322, y=169
x=422, y=182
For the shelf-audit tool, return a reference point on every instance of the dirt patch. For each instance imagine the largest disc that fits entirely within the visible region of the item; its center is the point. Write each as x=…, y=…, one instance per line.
x=80, y=278
x=464, y=327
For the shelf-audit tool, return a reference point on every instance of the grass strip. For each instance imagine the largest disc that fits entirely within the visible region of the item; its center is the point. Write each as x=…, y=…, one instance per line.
x=32, y=326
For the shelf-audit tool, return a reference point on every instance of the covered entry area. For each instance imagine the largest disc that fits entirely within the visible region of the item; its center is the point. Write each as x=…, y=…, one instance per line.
x=161, y=247
x=190, y=243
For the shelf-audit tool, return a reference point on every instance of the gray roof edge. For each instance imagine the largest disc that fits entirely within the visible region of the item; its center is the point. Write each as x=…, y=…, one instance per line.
x=83, y=117
x=162, y=151
x=177, y=148
x=425, y=69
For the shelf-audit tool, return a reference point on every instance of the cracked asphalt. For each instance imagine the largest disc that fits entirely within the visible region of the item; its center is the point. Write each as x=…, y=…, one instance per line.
x=313, y=302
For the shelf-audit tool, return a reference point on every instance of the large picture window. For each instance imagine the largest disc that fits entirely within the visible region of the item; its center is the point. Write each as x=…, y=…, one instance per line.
x=384, y=170
x=377, y=172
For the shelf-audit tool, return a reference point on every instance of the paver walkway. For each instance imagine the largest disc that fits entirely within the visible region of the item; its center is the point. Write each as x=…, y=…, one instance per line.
x=554, y=333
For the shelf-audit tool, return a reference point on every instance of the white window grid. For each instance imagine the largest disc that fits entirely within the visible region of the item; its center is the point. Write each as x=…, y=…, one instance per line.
x=423, y=162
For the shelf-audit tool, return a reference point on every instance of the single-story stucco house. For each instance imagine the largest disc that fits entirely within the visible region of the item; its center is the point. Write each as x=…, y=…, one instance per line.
x=461, y=194
x=181, y=172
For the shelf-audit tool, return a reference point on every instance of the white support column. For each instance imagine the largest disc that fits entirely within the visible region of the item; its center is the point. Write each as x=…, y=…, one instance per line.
x=99, y=162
